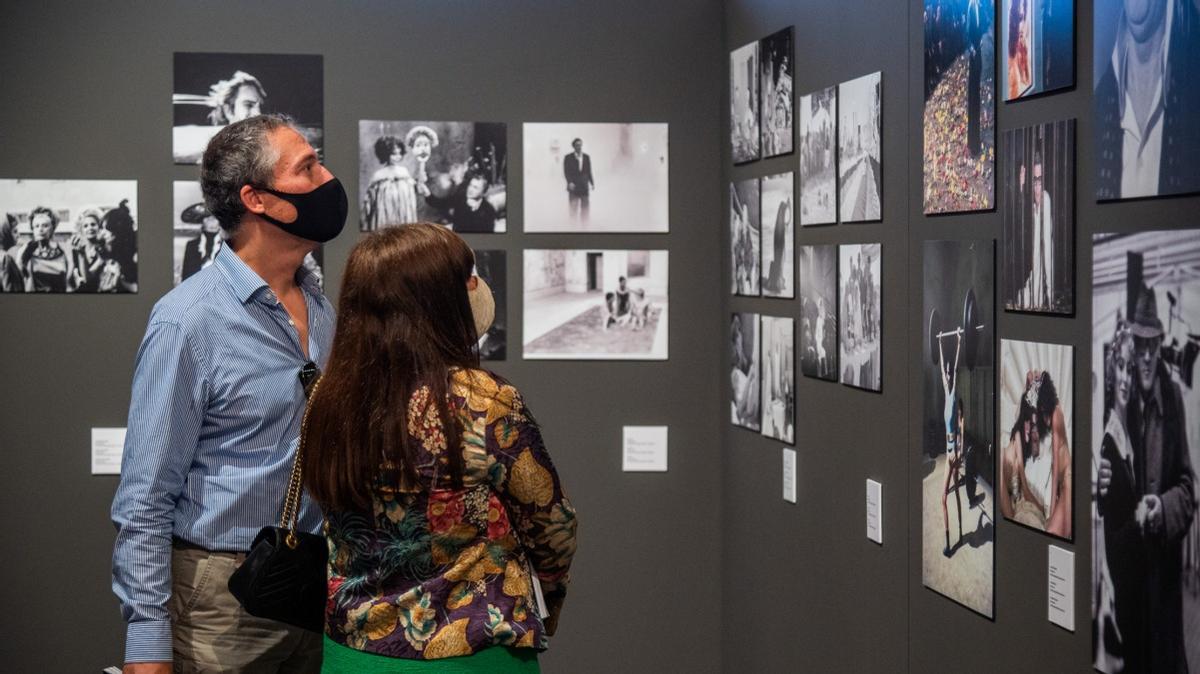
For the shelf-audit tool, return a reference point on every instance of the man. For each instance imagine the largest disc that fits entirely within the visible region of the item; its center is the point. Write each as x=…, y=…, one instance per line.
x=577, y=169
x=218, y=394
x=1039, y=285
x=1147, y=129
x=974, y=76
x=200, y=251
x=1164, y=477
x=237, y=98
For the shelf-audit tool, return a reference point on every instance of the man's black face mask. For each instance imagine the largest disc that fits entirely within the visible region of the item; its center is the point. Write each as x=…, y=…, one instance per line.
x=320, y=214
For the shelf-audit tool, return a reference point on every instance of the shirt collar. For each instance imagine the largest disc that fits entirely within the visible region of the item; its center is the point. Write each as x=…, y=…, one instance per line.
x=1120, y=57
x=244, y=281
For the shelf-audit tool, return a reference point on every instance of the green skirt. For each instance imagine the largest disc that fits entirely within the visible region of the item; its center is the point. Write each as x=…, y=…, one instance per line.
x=341, y=659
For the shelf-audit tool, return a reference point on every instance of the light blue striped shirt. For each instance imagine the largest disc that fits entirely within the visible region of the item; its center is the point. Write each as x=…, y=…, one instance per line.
x=213, y=425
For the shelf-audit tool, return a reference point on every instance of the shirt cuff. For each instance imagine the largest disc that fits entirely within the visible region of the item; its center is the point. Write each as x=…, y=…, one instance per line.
x=148, y=641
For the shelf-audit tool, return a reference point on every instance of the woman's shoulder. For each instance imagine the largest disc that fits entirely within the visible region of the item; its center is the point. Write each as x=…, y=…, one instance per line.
x=486, y=392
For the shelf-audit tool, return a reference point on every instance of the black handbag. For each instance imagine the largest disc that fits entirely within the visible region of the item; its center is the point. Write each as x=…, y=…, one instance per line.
x=283, y=577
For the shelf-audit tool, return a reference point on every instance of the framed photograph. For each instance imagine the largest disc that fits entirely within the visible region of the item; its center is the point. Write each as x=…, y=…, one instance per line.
x=1036, y=441
x=491, y=266
x=595, y=305
x=779, y=378
x=213, y=90
x=1145, y=416
x=68, y=236
x=1126, y=101
x=861, y=349
x=1038, y=39
x=745, y=236
x=819, y=311
x=959, y=119
x=199, y=237
x=958, y=522
x=743, y=103
x=818, y=157
x=1039, y=218
x=596, y=178
x=450, y=173
x=778, y=236
x=745, y=371
x=860, y=169
x=775, y=86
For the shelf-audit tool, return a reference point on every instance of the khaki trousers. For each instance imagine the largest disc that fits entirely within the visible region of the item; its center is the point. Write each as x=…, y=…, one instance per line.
x=213, y=633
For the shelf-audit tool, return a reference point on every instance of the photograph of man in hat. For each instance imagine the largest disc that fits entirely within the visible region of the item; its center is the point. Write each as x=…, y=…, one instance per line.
x=200, y=250
x=1164, y=474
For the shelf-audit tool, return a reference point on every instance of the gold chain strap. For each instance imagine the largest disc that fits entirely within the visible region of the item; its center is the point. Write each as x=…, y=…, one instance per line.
x=291, y=502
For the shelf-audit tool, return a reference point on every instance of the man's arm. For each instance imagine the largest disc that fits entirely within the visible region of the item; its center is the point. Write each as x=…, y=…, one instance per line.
x=1178, y=500
x=590, y=179
x=165, y=415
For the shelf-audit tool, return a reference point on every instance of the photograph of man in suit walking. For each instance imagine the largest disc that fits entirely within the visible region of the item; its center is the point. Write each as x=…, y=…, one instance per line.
x=577, y=169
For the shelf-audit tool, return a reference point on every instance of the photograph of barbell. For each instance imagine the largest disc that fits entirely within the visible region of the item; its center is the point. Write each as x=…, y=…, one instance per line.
x=970, y=329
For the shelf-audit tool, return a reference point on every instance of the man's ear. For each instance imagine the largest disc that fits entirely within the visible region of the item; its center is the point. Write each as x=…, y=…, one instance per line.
x=252, y=200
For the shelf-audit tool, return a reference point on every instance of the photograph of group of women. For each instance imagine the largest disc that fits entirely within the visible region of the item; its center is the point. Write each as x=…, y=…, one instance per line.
x=68, y=236
x=1145, y=590
x=958, y=424
x=452, y=173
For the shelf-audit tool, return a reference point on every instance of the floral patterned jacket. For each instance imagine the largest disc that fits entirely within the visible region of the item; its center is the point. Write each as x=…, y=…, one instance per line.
x=438, y=572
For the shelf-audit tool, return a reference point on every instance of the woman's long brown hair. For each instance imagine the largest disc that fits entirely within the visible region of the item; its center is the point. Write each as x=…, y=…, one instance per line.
x=404, y=321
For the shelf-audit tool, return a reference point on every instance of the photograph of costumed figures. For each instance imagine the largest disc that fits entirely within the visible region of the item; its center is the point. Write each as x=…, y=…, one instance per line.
x=959, y=426
x=1145, y=439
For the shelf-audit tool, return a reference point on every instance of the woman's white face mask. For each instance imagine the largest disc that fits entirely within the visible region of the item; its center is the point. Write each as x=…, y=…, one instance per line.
x=483, y=306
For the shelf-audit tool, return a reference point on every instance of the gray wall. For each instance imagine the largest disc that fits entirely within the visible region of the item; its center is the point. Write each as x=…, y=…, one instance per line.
x=811, y=593
x=86, y=89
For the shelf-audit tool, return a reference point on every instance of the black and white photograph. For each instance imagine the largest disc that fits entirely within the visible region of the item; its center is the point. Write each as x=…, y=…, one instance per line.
x=818, y=157
x=1038, y=255
x=743, y=104
x=745, y=371
x=745, y=236
x=491, y=266
x=859, y=315
x=450, y=173
x=1035, y=437
x=69, y=236
x=778, y=378
x=1145, y=426
x=775, y=87
x=1145, y=129
x=959, y=117
x=198, y=235
x=213, y=90
x=958, y=424
x=778, y=236
x=595, y=305
x=860, y=173
x=819, y=311
x=602, y=177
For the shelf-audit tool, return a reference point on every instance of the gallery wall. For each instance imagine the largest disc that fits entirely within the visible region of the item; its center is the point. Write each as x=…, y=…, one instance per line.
x=811, y=592
x=87, y=91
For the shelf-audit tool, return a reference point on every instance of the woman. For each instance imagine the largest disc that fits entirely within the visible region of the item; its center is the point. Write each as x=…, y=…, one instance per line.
x=1020, y=79
x=1036, y=465
x=89, y=251
x=44, y=265
x=391, y=197
x=11, y=280
x=1117, y=505
x=120, y=273
x=439, y=496
x=953, y=418
x=420, y=141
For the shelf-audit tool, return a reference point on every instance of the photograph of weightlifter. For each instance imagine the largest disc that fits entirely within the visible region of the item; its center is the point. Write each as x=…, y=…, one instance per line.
x=958, y=504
